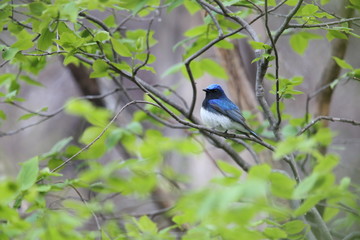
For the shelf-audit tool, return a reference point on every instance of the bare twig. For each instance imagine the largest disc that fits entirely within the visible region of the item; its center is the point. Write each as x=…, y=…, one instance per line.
x=250, y=150
x=85, y=203
x=50, y=115
x=147, y=49
x=95, y=20
x=287, y=20
x=216, y=22
x=327, y=118
x=101, y=134
x=326, y=24
x=273, y=45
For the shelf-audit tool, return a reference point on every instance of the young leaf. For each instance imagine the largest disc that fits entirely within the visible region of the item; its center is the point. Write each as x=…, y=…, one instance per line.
x=213, y=68
x=120, y=48
x=101, y=36
x=27, y=116
x=173, y=69
x=28, y=173
x=46, y=39
x=2, y=115
x=31, y=81
x=229, y=169
x=342, y=63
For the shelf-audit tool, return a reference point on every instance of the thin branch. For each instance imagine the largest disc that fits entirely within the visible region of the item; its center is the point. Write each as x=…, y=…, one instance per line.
x=327, y=118
x=50, y=115
x=250, y=150
x=216, y=22
x=332, y=13
x=209, y=155
x=85, y=203
x=147, y=49
x=320, y=224
x=4, y=63
x=42, y=54
x=323, y=24
x=262, y=66
x=153, y=213
x=310, y=96
x=352, y=236
x=95, y=20
x=273, y=45
x=173, y=92
x=287, y=20
x=101, y=134
x=19, y=23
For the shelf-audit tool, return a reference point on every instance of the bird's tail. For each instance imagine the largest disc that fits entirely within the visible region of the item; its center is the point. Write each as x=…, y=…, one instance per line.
x=255, y=135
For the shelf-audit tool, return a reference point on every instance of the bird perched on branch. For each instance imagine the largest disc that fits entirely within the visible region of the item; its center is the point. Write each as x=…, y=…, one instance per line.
x=219, y=112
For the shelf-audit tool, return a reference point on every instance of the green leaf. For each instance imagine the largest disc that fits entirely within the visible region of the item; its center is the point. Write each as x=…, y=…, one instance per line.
x=143, y=56
x=9, y=53
x=100, y=69
x=196, y=69
x=274, y=233
x=259, y=45
x=122, y=66
x=294, y=227
x=309, y=203
x=323, y=2
x=24, y=41
x=331, y=34
x=101, y=36
x=70, y=10
x=191, y=7
x=2, y=115
x=174, y=4
x=356, y=3
x=114, y=137
x=299, y=41
x=306, y=186
x=324, y=136
x=110, y=21
x=46, y=39
x=294, y=143
x=28, y=173
x=60, y=145
x=307, y=10
x=213, y=68
x=173, y=69
x=31, y=81
x=120, y=48
x=27, y=116
x=37, y=8
x=229, y=169
x=196, y=31
x=281, y=185
x=342, y=63
x=90, y=134
x=9, y=191
x=146, y=225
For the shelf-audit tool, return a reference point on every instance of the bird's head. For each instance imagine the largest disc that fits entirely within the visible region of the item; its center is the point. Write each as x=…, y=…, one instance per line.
x=214, y=91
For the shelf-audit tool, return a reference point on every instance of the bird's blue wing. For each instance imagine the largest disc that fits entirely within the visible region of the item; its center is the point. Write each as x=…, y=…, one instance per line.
x=227, y=108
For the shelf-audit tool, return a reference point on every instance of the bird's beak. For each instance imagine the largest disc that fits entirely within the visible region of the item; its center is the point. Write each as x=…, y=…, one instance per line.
x=205, y=90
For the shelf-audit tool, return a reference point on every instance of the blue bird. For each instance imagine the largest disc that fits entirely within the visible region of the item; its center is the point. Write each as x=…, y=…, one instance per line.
x=219, y=112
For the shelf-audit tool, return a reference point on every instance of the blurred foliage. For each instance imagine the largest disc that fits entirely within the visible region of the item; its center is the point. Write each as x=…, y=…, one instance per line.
x=264, y=203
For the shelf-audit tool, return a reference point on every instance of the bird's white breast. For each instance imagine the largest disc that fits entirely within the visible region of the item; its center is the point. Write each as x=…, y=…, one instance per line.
x=218, y=121
x=215, y=120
